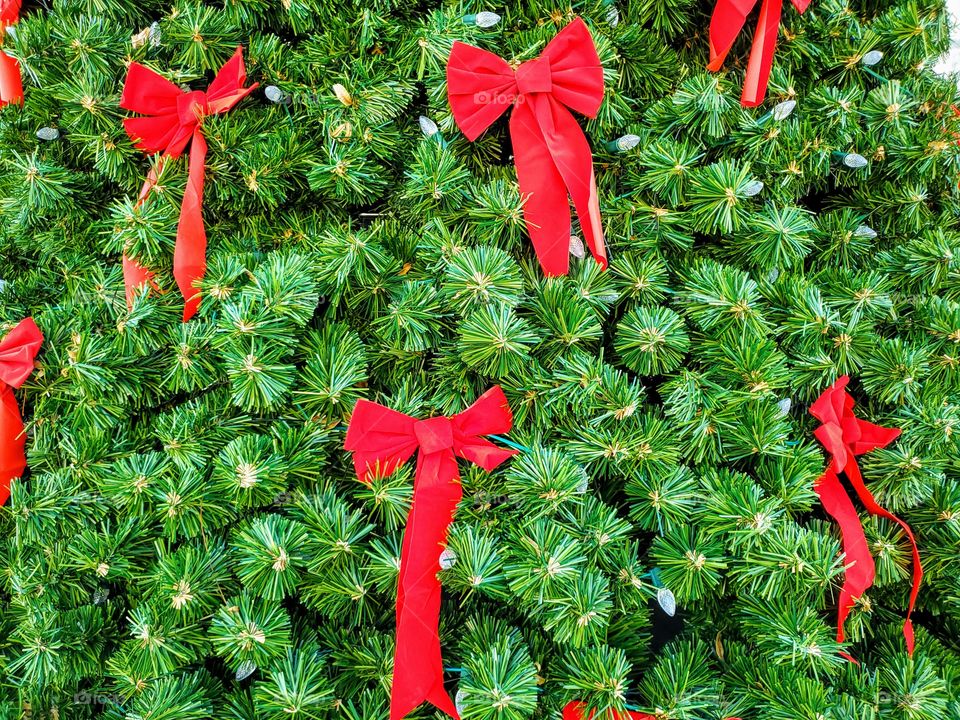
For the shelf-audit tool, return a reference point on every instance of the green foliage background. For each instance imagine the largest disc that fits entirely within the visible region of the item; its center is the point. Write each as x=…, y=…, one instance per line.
x=190, y=541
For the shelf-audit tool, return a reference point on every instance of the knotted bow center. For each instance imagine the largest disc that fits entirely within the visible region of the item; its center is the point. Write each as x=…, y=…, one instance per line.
x=535, y=76
x=434, y=434
x=192, y=108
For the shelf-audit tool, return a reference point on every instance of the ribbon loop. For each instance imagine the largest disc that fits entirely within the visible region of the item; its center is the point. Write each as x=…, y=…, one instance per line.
x=174, y=119
x=845, y=436
x=552, y=156
x=17, y=352
x=381, y=440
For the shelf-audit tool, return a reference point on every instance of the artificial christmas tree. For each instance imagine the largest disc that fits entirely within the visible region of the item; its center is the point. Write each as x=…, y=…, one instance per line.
x=190, y=539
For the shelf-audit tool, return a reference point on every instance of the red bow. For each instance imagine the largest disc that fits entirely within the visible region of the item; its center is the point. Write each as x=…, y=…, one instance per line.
x=11, y=85
x=551, y=154
x=17, y=351
x=174, y=119
x=844, y=437
x=574, y=711
x=729, y=17
x=381, y=440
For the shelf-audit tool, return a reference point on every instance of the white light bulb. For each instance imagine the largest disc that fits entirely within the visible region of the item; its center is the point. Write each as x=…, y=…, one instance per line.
x=459, y=701
x=855, y=161
x=487, y=19
x=667, y=601
x=427, y=126
x=576, y=247
x=613, y=16
x=785, y=406
x=865, y=231
x=100, y=595
x=246, y=669
x=274, y=94
x=627, y=142
x=154, y=34
x=448, y=558
x=773, y=275
x=871, y=58
x=584, y=482
x=342, y=94
x=752, y=188
x=781, y=111
x=48, y=133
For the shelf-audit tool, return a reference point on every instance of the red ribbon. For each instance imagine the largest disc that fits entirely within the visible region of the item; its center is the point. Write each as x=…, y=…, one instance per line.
x=381, y=440
x=11, y=84
x=174, y=119
x=729, y=17
x=550, y=151
x=844, y=436
x=574, y=711
x=17, y=351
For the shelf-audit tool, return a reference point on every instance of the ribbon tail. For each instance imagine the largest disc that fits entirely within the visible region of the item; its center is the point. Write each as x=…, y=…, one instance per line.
x=546, y=208
x=135, y=276
x=11, y=83
x=577, y=711
x=571, y=156
x=861, y=570
x=852, y=472
x=13, y=460
x=728, y=19
x=190, y=251
x=151, y=182
x=418, y=664
x=761, y=54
